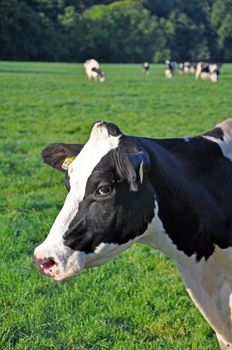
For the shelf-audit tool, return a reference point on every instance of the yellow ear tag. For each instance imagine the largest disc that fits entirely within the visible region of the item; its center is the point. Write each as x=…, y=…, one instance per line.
x=67, y=162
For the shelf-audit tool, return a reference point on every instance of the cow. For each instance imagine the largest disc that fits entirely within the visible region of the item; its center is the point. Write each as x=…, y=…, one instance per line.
x=193, y=67
x=187, y=67
x=93, y=71
x=208, y=71
x=214, y=69
x=172, y=194
x=181, y=68
x=169, y=69
x=202, y=71
x=146, y=68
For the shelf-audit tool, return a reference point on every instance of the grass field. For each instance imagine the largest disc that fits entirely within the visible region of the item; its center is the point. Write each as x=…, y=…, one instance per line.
x=137, y=301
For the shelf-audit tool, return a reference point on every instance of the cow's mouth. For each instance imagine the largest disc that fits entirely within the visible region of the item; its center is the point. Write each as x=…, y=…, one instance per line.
x=56, y=269
x=47, y=266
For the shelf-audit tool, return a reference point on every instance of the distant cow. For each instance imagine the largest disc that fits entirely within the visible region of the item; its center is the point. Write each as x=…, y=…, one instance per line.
x=93, y=71
x=208, y=71
x=187, y=67
x=193, y=67
x=214, y=69
x=181, y=67
x=169, y=69
x=172, y=194
x=146, y=68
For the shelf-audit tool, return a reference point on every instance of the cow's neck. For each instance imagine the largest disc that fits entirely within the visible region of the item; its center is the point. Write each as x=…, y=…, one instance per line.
x=208, y=282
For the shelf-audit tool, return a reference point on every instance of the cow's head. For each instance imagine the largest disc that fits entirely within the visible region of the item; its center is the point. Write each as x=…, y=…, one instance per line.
x=109, y=205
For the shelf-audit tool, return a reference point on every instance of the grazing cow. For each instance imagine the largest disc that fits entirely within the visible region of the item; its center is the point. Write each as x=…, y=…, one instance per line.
x=172, y=194
x=208, y=71
x=146, y=68
x=187, y=67
x=169, y=69
x=93, y=71
x=214, y=69
x=193, y=67
x=181, y=67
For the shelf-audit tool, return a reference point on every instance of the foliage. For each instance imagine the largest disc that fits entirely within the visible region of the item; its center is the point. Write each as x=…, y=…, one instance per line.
x=137, y=301
x=115, y=31
x=221, y=19
x=107, y=27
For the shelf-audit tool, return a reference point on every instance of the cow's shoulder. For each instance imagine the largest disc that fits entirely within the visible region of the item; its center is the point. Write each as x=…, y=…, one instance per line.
x=222, y=135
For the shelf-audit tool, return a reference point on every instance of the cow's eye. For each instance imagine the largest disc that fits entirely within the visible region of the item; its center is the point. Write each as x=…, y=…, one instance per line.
x=104, y=190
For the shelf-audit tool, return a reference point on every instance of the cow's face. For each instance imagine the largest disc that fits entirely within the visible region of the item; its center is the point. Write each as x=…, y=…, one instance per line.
x=109, y=205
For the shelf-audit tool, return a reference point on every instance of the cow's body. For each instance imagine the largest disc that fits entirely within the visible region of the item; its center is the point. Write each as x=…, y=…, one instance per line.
x=169, y=69
x=93, y=71
x=172, y=194
x=146, y=68
x=208, y=71
x=187, y=67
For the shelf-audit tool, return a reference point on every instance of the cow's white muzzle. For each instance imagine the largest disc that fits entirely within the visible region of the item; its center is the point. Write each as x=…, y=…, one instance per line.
x=58, y=264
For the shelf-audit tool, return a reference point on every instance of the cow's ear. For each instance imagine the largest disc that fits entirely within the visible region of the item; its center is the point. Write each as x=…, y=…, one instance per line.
x=60, y=155
x=132, y=167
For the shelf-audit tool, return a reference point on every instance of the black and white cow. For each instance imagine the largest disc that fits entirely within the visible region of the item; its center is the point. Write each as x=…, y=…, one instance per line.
x=172, y=194
x=146, y=68
x=208, y=71
x=93, y=71
x=187, y=67
x=169, y=69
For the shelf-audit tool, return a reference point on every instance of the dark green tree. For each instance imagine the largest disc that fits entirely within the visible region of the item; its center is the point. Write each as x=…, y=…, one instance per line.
x=121, y=32
x=18, y=24
x=116, y=30
x=221, y=20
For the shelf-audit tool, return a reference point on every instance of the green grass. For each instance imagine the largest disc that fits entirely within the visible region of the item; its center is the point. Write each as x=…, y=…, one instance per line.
x=137, y=301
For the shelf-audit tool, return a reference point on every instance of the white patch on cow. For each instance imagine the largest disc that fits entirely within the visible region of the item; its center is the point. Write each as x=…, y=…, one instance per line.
x=213, y=68
x=141, y=172
x=214, y=77
x=226, y=144
x=209, y=283
x=107, y=251
x=89, y=65
x=99, y=144
x=168, y=73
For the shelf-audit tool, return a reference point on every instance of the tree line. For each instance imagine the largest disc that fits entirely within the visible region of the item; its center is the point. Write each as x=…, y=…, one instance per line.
x=116, y=31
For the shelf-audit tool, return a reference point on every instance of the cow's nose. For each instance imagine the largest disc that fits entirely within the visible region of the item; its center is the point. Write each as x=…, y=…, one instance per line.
x=46, y=265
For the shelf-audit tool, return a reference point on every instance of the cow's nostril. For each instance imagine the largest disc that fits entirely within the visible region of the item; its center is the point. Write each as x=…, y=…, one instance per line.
x=45, y=265
x=48, y=265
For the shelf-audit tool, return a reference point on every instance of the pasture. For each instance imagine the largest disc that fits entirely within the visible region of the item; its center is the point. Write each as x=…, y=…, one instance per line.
x=137, y=301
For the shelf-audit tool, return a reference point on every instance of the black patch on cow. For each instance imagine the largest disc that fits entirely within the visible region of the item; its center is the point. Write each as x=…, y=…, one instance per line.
x=194, y=188
x=216, y=132
x=205, y=68
x=112, y=129
x=67, y=181
x=98, y=71
x=116, y=218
